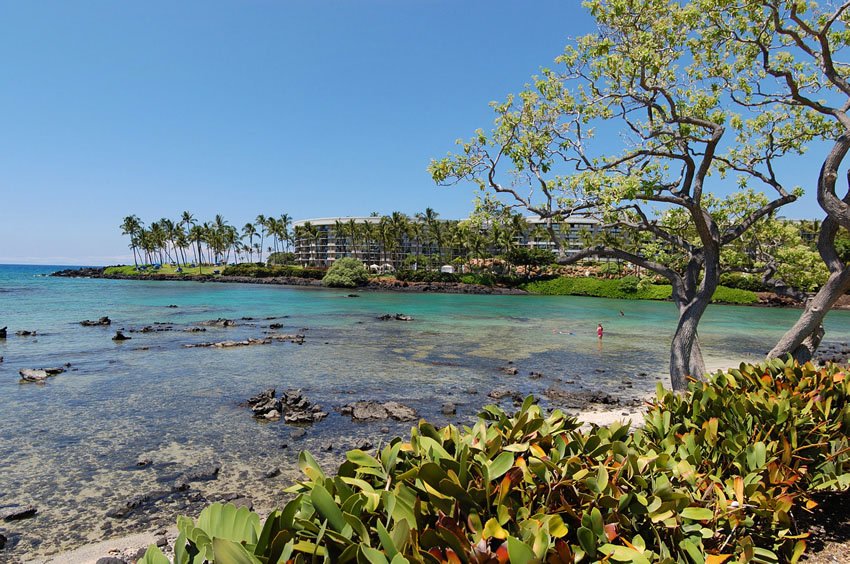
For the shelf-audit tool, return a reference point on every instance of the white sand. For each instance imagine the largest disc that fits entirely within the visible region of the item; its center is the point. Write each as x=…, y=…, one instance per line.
x=121, y=547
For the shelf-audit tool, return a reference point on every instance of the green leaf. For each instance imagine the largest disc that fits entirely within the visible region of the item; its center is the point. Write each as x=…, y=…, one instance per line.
x=327, y=507
x=697, y=513
x=229, y=552
x=153, y=555
x=372, y=555
x=500, y=465
x=518, y=551
x=587, y=540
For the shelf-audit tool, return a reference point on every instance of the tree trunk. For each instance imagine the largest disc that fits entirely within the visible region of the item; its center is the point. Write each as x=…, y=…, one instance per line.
x=800, y=339
x=682, y=349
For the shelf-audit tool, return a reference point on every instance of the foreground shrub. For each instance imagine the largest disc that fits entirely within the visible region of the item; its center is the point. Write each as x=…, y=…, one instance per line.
x=715, y=475
x=346, y=272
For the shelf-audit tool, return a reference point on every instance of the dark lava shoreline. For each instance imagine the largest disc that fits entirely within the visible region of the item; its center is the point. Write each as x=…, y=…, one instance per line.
x=376, y=285
x=766, y=299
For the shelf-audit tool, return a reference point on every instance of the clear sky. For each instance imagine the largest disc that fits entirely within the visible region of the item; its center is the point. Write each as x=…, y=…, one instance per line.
x=310, y=108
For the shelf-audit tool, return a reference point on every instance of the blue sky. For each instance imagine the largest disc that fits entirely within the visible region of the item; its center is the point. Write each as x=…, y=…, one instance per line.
x=312, y=108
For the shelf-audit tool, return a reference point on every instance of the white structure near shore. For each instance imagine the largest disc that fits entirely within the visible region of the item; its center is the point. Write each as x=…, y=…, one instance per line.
x=387, y=244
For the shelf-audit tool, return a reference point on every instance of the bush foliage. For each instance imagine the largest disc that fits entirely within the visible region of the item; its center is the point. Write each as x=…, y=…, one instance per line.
x=715, y=475
x=260, y=271
x=346, y=273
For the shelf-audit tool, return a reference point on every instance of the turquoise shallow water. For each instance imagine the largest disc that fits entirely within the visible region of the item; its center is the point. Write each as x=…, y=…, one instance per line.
x=70, y=447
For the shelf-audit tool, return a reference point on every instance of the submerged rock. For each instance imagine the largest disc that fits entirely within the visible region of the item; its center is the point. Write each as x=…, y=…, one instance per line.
x=501, y=393
x=17, y=512
x=581, y=399
x=102, y=321
x=38, y=374
x=375, y=411
x=229, y=344
x=265, y=403
x=396, y=317
x=220, y=322
x=25, y=333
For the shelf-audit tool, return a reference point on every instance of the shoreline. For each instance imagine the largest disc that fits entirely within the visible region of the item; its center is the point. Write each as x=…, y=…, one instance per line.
x=127, y=547
x=766, y=299
x=373, y=285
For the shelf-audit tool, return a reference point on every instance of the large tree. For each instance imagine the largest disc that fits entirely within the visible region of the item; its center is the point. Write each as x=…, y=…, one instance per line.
x=786, y=55
x=666, y=132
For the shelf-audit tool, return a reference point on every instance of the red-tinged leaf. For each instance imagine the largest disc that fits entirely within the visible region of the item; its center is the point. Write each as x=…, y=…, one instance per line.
x=452, y=557
x=502, y=553
x=611, y=531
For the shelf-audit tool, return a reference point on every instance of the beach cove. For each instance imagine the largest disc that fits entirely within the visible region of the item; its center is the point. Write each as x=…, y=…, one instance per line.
x=72, y=447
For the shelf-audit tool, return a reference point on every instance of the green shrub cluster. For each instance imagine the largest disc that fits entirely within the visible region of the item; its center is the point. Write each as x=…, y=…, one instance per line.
x=734, y=296
x=626, y=288
x=421, y=275
x=346, y=272
x=121, y=270
x=742, y=282
x=260, y=271
x=715, y=475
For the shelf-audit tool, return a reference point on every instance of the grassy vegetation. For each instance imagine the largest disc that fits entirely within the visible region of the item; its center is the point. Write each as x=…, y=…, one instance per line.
x=164, y=269
x=625, y=289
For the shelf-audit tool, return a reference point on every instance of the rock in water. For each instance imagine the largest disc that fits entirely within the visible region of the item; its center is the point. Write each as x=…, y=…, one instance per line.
x=119, y=336
x=38, y=374
x=374, y=411
x=3, y=332
x=25, y=333
x=102, y=321
x=17, y=512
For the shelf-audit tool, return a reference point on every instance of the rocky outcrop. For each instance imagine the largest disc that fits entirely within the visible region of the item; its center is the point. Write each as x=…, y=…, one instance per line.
x=119, y=336
x=17, y=512
x=265, y=405
x=376, y=411
x=229, y=344
x=839, y=353
x=298, y=409
x=100, y=322
x=3, y=332
x=38, y=375
x=220, y=322
x=380, y=285
x=581, y=399
x=292, y=407
x=396, y=317
x=25, y=333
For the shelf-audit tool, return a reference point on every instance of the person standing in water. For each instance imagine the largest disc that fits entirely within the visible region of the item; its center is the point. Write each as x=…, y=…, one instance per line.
x=599, y=331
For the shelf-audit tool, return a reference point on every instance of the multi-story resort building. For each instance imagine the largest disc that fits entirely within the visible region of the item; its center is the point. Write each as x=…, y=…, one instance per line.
x=385, y=245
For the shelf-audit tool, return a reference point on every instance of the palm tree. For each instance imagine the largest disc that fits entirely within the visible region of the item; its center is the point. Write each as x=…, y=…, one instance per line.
x=197, y=234
x=131, y=226
x=249, y=232
x=260, y=222
x=285, y=223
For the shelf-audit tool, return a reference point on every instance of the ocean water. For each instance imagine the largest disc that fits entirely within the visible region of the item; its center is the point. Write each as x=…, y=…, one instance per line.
x=70, y=447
